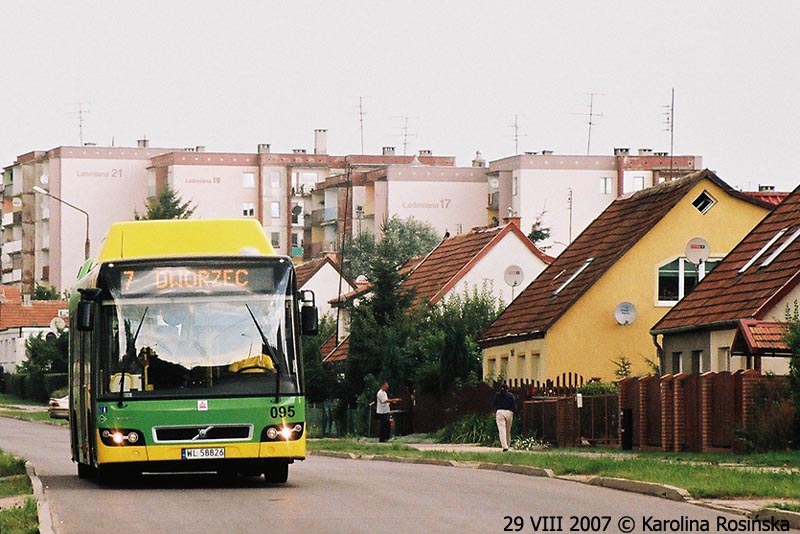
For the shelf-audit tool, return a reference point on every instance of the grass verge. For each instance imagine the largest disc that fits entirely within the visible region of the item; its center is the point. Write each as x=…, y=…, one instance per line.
x=14, y=481
x=703, y=476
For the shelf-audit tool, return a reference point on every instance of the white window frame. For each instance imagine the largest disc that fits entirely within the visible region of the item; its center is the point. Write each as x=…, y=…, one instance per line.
x=275, y=209
x=248, y=180
x=682, y=264
x=248, y=209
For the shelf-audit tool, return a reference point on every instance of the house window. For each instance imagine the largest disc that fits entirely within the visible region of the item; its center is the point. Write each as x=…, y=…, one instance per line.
x=275, y=179
x=248, y=209
x=697, y=361
x=275, y=209
x=275, y=237
x=606, y=185
x=678, y=277
x=704, y=202
x=491, y=365
x=248, y=180
x=503, y=368
x=677, y=365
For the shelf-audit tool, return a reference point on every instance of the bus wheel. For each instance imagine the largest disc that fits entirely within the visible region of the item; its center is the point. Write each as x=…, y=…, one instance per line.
x=85, y=471
x=276, y=472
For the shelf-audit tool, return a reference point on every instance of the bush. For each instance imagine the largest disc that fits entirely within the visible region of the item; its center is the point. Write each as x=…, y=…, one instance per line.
x=18, y=385
x=476, y=428
x=54, y=381
x=768, y=430
x=597, y=387
x=34, y=387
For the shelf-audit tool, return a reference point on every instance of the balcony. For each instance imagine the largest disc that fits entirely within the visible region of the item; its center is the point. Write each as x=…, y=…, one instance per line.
x=8, y=219
x=297, y=252
x=12, y=246
x=13, y=276
x=494, y=201
x=324, y=216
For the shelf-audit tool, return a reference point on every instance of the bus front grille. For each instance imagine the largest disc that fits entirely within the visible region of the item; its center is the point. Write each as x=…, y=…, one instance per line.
x=203, y=433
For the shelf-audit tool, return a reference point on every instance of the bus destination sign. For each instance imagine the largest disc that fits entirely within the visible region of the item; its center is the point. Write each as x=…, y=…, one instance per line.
x=185, y=279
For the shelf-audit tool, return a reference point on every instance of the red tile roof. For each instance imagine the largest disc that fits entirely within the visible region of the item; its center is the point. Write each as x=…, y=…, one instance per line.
x=333, y=352
x=452, y=258
x=771, y=197
x=306, y=271
x=761, y=338
x=615, y=231
x=14, y=314
x=731, y=292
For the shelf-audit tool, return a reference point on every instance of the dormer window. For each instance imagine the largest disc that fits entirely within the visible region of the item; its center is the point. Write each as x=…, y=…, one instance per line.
x=704, y=202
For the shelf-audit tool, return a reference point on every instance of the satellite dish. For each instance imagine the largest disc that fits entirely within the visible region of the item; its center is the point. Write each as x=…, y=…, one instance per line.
x=625, y=313
x=297, y=209
x=513, y=275
x=57, y=323
x=697, y=250
x=5, y=257
x=44, y=180
x=16, y=202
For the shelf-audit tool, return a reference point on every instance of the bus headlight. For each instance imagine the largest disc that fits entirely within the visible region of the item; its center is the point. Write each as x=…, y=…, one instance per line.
x=284, y=432
x=121, y=437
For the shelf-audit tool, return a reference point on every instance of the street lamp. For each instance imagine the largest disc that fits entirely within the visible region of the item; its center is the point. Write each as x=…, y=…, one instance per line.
x=86, y=243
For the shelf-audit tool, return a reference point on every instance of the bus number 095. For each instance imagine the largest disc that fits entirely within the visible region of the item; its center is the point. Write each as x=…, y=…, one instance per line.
x=281, y=411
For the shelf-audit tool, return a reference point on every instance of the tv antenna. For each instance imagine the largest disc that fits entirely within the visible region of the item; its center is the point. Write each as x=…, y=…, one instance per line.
x=669, y=121
x=592, y=115
x=361, y=114
x=79, y=113
x=406, y=135
x=517, y=135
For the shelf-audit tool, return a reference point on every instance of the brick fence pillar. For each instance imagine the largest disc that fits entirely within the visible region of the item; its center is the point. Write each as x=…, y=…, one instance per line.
x=749, y=380
x=667, y=412
x=679, y=417
x=706, y=406
x=642, y=407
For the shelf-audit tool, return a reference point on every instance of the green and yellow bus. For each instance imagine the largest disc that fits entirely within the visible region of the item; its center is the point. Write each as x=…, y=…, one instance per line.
x=185, y=353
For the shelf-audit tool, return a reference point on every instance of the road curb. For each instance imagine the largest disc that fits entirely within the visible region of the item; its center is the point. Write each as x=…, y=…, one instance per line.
x=42, y=507
x=647, y=488
x=767, y=513
x=519, y=469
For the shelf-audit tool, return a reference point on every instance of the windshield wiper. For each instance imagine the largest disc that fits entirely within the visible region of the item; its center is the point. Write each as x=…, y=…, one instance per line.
x=130, y=352
x=271, y=352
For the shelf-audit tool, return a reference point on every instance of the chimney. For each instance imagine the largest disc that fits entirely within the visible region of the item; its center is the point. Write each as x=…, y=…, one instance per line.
x=765, y=188
x=425, y=153
x=263, y=148
x=512, y=218
x=299, y=151
x=143, y=143
x=388, y=151
x=200, y=148
x=320, y=141
x=661, y=154
x=645, y=151
x=478, y=161
x=621, y=151
x=547, y=152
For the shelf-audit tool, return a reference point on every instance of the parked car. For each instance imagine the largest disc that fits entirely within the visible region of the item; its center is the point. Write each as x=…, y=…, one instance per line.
x=59, y=408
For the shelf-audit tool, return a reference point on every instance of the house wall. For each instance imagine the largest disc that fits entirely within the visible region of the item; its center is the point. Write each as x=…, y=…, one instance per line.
x=490, y=269
x=521, y=360
x=587, y=338
x=325, y=285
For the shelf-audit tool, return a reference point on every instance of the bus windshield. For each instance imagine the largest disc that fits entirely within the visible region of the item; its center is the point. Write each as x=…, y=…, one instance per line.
x=198, y=331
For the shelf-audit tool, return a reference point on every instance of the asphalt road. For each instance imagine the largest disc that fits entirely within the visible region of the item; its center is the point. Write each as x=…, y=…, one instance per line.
x=336, y=495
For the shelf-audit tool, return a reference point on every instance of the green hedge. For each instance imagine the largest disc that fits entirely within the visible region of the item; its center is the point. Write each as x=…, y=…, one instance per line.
x=18, y=385
x=54, y=381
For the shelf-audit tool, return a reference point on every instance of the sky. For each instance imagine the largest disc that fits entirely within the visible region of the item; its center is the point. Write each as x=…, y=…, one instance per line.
x=449, y=76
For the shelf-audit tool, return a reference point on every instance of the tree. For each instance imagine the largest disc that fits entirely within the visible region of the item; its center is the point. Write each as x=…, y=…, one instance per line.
x=538, y=232
x=166, y=205
x=41, y=292
x=444, y=350
x=319, y=378
x=400, y=241
x=793, y=340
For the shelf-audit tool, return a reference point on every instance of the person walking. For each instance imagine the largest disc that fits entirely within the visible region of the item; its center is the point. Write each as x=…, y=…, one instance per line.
x=382, y=408
x=505, y=406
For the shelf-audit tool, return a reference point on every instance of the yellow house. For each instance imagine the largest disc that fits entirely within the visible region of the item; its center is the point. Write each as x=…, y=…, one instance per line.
x=596, y=302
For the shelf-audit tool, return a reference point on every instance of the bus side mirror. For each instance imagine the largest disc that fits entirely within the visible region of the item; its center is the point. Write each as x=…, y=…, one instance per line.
x=309, y=322
x=85, y=311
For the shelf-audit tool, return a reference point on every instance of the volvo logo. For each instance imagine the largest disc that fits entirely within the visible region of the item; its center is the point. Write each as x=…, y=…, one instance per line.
x=202, y=433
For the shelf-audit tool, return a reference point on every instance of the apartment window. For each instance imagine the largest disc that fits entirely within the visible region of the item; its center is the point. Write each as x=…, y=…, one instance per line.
x=275, y=209
x=248, y=180
x=515, y=186
x=248, y=209
x=275, y=179
x=678, y=277
x=704, y=202
x=606, y=185
x=295, y=239
x=638, y=183
x=275, y=237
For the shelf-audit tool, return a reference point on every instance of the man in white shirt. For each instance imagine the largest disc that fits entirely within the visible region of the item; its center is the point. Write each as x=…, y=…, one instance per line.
x=382, y=408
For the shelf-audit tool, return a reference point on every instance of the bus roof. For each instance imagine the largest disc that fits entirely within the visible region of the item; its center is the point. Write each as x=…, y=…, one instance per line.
x=184, y=237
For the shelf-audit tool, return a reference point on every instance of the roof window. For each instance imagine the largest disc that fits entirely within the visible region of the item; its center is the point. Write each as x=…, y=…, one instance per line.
x=574, y=276
x=780, y=249
x=763, y=250
x=704, y=202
